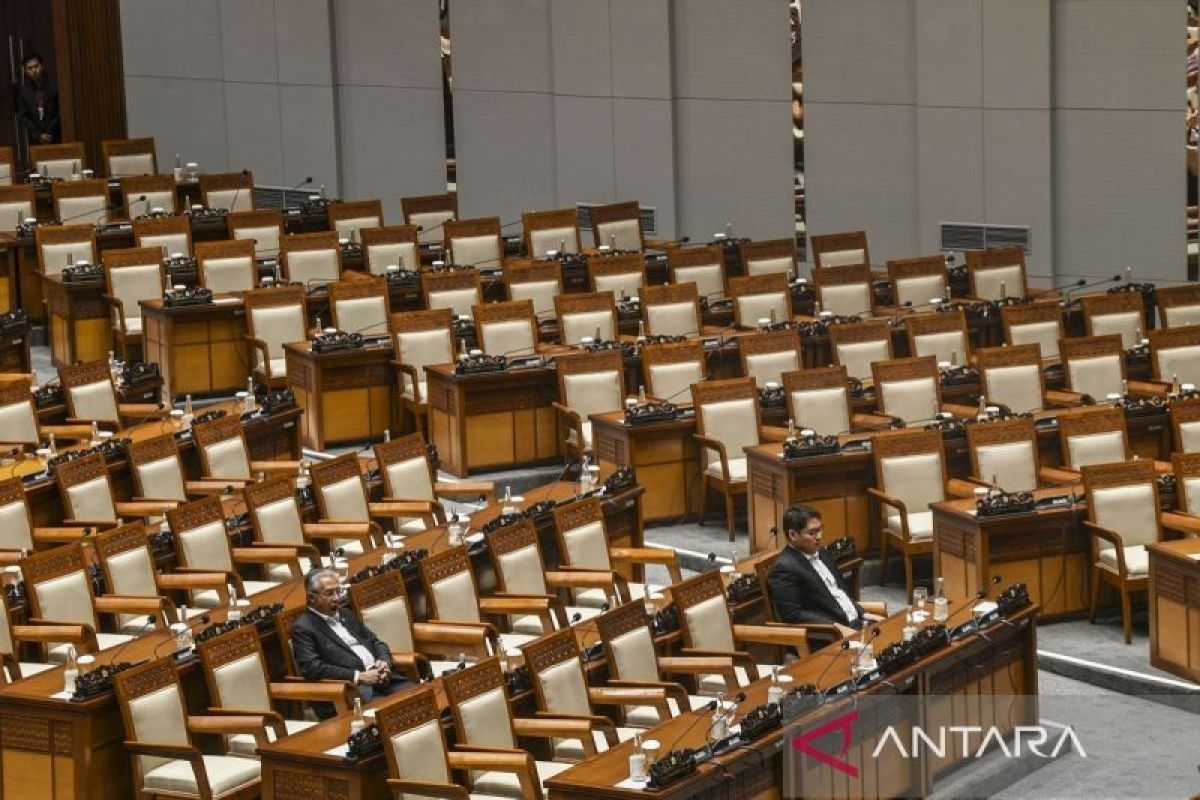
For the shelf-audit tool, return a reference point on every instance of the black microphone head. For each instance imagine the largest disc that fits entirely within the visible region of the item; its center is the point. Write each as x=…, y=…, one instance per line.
x=204, y=618
x=1116, y=278
x=712, y=706
x=712, y=558
x=245, y=173
x=603, y=607
x=996, y=580
x=740, y=697
x=845, y=644
x=576, y=617
x=1081, y=282
x=875, y=632
x=685, y=239
x=308, y=179
x=340, y=552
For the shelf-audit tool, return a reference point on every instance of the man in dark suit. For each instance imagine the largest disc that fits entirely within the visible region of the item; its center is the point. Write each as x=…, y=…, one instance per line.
x=330, y=643
x=805, y=584
x=37, y=102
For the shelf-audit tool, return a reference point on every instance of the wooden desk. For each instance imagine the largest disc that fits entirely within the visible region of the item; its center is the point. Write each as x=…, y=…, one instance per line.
x=494, y=420
x=14, y=349
x=347, y=396
x=8, y=273
x=664, y=458
x=1175, y=607
x=80, y=320
x=200, y=350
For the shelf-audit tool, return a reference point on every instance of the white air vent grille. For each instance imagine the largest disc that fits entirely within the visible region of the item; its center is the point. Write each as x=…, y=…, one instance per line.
x=649, y=218
x=963, y=236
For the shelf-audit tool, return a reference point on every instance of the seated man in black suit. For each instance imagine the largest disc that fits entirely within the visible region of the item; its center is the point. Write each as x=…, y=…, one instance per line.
x=330, y=643
x=805, y=584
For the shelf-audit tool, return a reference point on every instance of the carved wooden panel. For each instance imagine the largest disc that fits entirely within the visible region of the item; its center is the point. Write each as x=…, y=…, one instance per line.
x=53, y=563
x=835, y=242
x=120, y=539
x=388, y=234
x=468, y=683
x=195, y=514
x=378, y=589
x=512, y=537
x=585, y=301
x=410, y=712
x=144, y=679
x=424, y=320
x=354, y=210
x=266, y=492
x=621, y=620
x=696, y=590
x=425, y=204
x=84, y=374
x=543, y=653
x=32, y=734
x=576, y=515
x=143, y=451
x=237, y=643
x=325, y=473
x=14, y=392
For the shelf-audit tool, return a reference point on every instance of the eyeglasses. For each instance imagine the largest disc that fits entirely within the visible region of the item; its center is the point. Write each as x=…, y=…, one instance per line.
x=332, y=591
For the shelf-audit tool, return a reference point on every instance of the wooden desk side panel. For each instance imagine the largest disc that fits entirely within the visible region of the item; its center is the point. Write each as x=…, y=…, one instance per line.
x=1175, y=617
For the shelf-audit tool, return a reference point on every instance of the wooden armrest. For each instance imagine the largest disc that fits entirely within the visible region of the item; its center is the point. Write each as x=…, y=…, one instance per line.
x=1146, y=388
x=1113, y=538
x=124, y=604
x=73, y=432
x=290, y=467
x=396, y=507
x=700, y=662
x=874, y=607
x=1181, y=522
x=1059, y=475
x=144, y=508
x=362, y=531
x=41, y=630
x=413, y=665
x=270, y=719
x=640, y=693
x=514, y=604
x=887, y=499
x=179, y=581
x=436, y=633
x=795, y=636
x=210, y=487
x=466, y=489
x=274, y=554
x=340, y=693
x=230, y=723
x=961, y=412
x=503, y=760
x=143, y=410
x=1061, y=398
x=56, y=535
x=581, y=579
x=552, y=727
x=771, y=433
x=963, y=487
x=870, y=422
x=650, y=555
x=413, y=376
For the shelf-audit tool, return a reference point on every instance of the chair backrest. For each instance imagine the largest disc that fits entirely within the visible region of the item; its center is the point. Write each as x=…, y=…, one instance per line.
x=704, y=621
x=840, y=249
x=413, y=741
x=582, y=315
x=581, y=535
x=618, y=226
x=340, y=492
x=235, y=670
x=506, y=328
x=1034, y=323
x=390, y=246
x=421, y=338
x=1094, y=435
x=1121, y=313
x=157, y=470
x=429, y=213
x=908, y=388
x=942, y=335
x=127, y=157
x=61, y=160
x=227, y=266
x=89, y=392
x=818, y=399
x=61, y=244
x=360, y=305
x=310, y=258
x=263, y=227
x=17, y=204
x=126, y=561
x=458, y=290
x=1185, y=426
x=1005, y=451
x=232, y=191
x=86, y=490
x=6, y=166
x=727, y=410
x=284, y=622
x=274, y=512
x=669, y=369
x=405, y=468
x=671, y=309
x=628, y=643
x=58, y=585
x=18, y=420
x=1123, y=497
x=480, y=705
x=1179, y=305
x=703, y=266
x=762, y=572
x=221, y=445
x=591, y=383
x=347, y=219
x=918, y=281
x=910, y=466
x=845, y=291
x=1094, y=365
x=546, y=231
x=517, y=558
x=474, y=242
x=620, y=273
x=1012, y=376
x=769, y=257
x=559, y=685
x=758, y=297
x=276, y=315
x=767, y=355
x=857, y=345
x=16, y=521
x=382, y=603
x=133, y=275
x=200, y=538
x=143, y=194
x=538, y=281
x=1187, y=481
x=996, y=273
x=1175, y=354
x=153, y=708
x=450, y=586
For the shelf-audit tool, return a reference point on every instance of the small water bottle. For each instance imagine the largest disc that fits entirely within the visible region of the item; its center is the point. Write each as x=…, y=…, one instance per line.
x=941, y=606
x=70, y=671
x=910, y=626
x=637, y=761
x=358, y=722
x=775, y=690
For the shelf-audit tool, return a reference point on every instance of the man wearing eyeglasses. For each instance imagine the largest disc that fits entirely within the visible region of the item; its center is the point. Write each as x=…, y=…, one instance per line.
x=330, y=643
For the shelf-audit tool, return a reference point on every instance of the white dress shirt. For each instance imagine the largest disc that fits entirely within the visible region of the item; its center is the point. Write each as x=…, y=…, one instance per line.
x=364, y=655
x=831, y=584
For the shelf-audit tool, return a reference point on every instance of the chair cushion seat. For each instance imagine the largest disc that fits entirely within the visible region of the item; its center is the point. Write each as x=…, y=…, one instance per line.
x=1137, y=560
x=920, y=524
x=647, y=716
x=506, y=784
x=28, y=668
x=572, y=749
x=133, y=324
x=715, y=684
x=278, y=573
x=225, y=775
x=278, y=367
x=57, y=654
x=737, y=468
x=208, y=598
x=243, y=744
x=594, y=598
x=511, y=641
x=421, y=387
x=531, y=624
x=586, y=425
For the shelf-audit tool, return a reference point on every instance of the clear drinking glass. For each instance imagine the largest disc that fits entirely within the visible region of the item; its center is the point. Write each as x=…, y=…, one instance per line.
x=920, y=595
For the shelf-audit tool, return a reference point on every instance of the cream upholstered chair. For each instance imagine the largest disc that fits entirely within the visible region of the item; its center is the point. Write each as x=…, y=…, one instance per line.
x=507, y=328
x=143, y=194
x=474, y=242
x=420, y=338
x=348, y=219
x=420, y=764
x=227, y=266
x=166, y=761
x=758, y=297
x=1012, y=377
x=588, y=315
x=767, y=355
x=618, y=226
x=1120, y=313
x=1178, y=305
x=623, y=274
x=275, y=315
x=390, y=246
x=669, y=370
x=342, y=496
x=588, y=383
x=63, y=245
x=942, y=335
x=81, y=202
x=857, y=345
x=909, y=389
x=453, y=596
x=169, y=235
x=19, y=423
x=845, y=291
x=381, y=602
x=458, y=290
x=996, y=273
x=428, y=213
x=263, y=227
x=12, y=638
x=157, y=472
x=1090, y=436
x=1034, y=323
x=1186, y=467
x=1175, y=354
x=1123, y=517
x=131, y=276
x=17, y=532
x=819, y=399
x=1094, y=365
x=311, y=258
x=276, y=519
x=409, y=476
x=917, y=281
x=126, y=157
x=87, y=495
x=547, y=231
x=671, y=309
x=583, y=543
x=1004, y=453
x=538, y=281
x=91, y=397
x=221, y=446
x=232, y=191
x=235, y=671
x=703, y=266
x=769, y=257
x=360, y=305
x=840, y=249
x=64, y=160
x=6, y=166
x=1185, y=429
x=16, y=205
